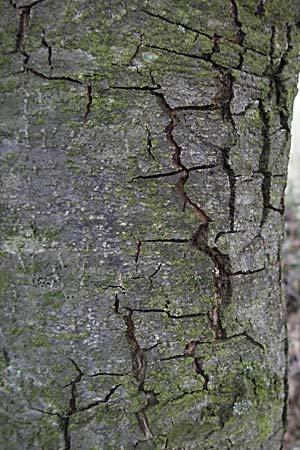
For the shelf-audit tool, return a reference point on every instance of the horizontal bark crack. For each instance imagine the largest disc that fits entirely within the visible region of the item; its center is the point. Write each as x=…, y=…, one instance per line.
x=174, y=172
x=51, y=77
x=248, y=272
x=239, y=41
x=165, y=311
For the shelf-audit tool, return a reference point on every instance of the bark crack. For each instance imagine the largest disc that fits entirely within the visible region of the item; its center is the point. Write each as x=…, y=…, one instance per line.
x=248, y=272
x=240, y=35
x=174, y=172
x=222, y=281
x=153, y=274
x=239, y=38
x=65, y=417
x=139, y=372
x=149, y=145
x=21, y=34
x=48, y=47
x=264, y=161
x=224, y=98
x=260, y=8
x=138, y=50
x=170, y=315
x=50, y=77
x=189, y=351
x=281, y=93
x=176, y=157
x=276, y=82
x=204, y=56
x=89, y=102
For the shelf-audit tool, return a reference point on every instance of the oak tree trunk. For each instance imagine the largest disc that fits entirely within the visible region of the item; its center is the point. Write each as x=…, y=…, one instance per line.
x=144, y=149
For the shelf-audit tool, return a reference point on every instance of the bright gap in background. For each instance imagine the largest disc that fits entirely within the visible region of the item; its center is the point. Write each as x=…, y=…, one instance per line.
x=291, y=280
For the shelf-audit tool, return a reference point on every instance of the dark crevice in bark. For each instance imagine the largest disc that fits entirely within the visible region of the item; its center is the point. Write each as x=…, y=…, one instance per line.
x=208, y=58
x=239, y=37
x=224, y=233
x=154, y=241
x=221, y=275
x=204, y=56
x=114, y=286
x=21, y=34
x=6, y=357
x=165, y=311
x=156, y=175
x=64, y=418
x=149, y=145
x=196, y=108
x=215, y=41
x=138, y=50
x=192, y=345
x=279, y=210
x=260, y=8
x=135, y=88
x=48, y=413
x=276, y=84
x=24, y=21
x=139, y=373
x=148, y=349
x=199, y=369
x=264, y=161
x=138, y=250
x=48, y=47
x=99, y=402
x=221, y=263
x=174, y=172
x=281, y=92
x=107, y=374
x=222, y=271
x=215, y=322
x=116, y=304
x=248, y=272
x=177, y=23
x=189, y=351
x=249, y=338
x=176, y=157
x=232, y=180
x=89, y=102
x=170, y=358
x=137, y=354
x=241, y=61
x=223, y=99
x=235, y=15
x=153, y=274
x=51, y=77
x=180, y=397
x=199, y=239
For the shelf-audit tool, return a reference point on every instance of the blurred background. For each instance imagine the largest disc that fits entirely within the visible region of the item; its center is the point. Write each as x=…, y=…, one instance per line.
x=291, y=280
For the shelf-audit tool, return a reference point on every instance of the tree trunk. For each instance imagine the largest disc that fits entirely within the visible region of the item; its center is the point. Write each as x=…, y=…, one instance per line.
x=144, y=150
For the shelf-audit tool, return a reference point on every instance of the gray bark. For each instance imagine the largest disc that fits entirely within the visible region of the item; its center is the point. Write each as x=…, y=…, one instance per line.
x=144, y=150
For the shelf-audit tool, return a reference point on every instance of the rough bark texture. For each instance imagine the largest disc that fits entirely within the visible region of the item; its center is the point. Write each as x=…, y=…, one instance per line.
x=144, y=150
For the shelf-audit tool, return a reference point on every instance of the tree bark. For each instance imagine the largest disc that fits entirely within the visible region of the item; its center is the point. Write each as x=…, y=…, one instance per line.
x=144, y=150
